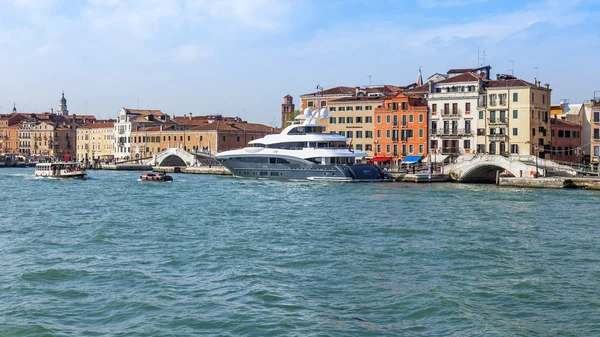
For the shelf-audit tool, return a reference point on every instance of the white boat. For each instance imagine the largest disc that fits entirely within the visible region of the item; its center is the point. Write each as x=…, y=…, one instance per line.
x=59, y=170
x=301, y=152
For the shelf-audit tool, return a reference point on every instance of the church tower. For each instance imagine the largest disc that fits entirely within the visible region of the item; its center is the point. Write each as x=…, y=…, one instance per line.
x=62, y=108
x=14, y=108
x=287, y=110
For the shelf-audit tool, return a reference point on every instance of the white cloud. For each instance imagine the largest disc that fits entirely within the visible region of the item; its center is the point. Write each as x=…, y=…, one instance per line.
x=192, y=52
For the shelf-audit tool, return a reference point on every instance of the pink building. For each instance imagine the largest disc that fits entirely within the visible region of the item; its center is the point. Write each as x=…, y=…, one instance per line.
x=566, y=141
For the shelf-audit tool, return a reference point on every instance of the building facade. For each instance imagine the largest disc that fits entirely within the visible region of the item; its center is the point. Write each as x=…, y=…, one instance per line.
x=401, y=128
x=353, y=117
x=594, y=108
x=212, y=137
x=514, y=118
x=566, y=141
x=95, y=141
x=453, y=111
x=130, y=120
x=9, y=132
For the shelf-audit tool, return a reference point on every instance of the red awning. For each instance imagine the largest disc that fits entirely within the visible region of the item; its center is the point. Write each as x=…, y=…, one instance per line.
x=380, y=159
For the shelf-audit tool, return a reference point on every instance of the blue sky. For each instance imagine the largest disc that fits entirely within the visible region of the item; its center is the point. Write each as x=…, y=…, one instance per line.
x=240, y=57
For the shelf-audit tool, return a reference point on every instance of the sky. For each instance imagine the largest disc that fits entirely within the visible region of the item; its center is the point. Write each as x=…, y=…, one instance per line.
x=240, y=57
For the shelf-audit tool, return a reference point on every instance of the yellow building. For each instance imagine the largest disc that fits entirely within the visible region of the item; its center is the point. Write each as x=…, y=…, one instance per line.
x=95, y=142
x=514, y=118
x=353, y=117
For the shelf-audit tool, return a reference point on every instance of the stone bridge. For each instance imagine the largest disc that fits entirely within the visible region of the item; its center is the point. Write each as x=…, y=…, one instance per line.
x=483, y=168
x=180, y=157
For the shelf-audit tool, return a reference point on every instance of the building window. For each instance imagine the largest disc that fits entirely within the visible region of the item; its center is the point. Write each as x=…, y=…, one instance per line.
x=379, y=119
x=238, y=138
x=387, y=133
x=411, y=118
x=481, y=132
x=420, y=133
x=342, y=133
x=332, y=120
x=388, y=119
x=515, y=97
x=411, y=149
x=368, y=134
x=596, y=117
x=543, y=99
x=379, y=148
x=514, y=148
x=515, y=114
x=596, y=134
x=359, y=108
x=433, y=107
x=341, y=108
x=341, y=120
x=311, y=104
x=378, y=133
x=596, y=151
x=224, y=138
x=368, y=107
x=561, y=133
x=532, y=97
x=359, y=134
x=349, y=134
x=349, y=120
x=467, y=144
x=368, y=119
x=358, y=119
x=323, y=104
x=387, y=148
x=332, y=108
x=515, y=132
x=421, y=147
x=349, y=108
x=421, y=118
x=481, y=115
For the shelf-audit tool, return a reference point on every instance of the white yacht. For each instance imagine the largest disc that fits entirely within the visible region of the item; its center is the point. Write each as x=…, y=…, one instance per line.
x=301, y=152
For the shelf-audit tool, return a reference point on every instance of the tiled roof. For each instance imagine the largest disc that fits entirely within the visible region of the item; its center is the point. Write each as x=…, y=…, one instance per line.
x=97, y=125
x=156, y=128
x=511, y=83
x=466, y=77
x=360, y=99
x=418, y=90
x=143, y=112
x=190, y=122
x=229, y=126
x=334, y=91
x=562, y=122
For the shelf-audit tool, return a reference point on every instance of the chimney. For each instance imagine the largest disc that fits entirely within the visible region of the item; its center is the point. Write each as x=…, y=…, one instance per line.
x=547, y=86
x=430, y=84
x=190, y=115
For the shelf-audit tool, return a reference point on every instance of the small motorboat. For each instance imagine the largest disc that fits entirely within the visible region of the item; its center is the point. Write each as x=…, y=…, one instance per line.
x=156, y=177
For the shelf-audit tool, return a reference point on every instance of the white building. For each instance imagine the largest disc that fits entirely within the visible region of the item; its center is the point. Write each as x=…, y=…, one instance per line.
x=453, y=110
x=133, y=119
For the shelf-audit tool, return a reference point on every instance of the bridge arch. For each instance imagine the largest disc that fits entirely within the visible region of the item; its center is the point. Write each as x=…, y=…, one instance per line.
x=484, y=168
x=172, y=160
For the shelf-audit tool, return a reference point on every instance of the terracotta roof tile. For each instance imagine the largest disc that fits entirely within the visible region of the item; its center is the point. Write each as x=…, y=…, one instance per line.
x=466, y=77
x=510, y=83
x=98, y=125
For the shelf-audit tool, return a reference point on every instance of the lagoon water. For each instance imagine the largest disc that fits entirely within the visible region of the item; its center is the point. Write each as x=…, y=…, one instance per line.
x=220, y=256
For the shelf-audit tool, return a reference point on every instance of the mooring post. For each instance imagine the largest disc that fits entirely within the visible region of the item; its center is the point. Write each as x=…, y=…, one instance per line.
x=497, y=177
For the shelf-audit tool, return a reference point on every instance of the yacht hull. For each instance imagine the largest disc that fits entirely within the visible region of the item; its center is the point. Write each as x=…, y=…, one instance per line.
x=340, y=172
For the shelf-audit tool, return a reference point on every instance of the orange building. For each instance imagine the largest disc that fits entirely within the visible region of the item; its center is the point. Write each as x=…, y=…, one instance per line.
x=9, y=132
x=401, y=130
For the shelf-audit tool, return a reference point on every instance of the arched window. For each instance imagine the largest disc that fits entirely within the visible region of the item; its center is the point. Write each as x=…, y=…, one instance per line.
x=492, y=149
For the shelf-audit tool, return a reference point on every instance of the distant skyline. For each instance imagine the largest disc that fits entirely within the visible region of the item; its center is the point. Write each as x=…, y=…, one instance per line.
x=239, y=58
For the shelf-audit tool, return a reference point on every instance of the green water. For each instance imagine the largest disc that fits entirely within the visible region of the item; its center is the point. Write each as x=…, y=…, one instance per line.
x=220, y=256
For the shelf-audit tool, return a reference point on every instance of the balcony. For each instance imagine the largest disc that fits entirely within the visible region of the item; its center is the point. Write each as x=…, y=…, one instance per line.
x=497, y=121
x=404, y=125
x=395, y=124
x=497, y=136
x=451, y=113
x=596, y=120
x=394, y=139
x=451, y=133
x=503, y=102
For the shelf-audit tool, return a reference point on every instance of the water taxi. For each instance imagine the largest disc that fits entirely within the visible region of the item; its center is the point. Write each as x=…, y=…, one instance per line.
x=155, y=177
x=59, y=170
